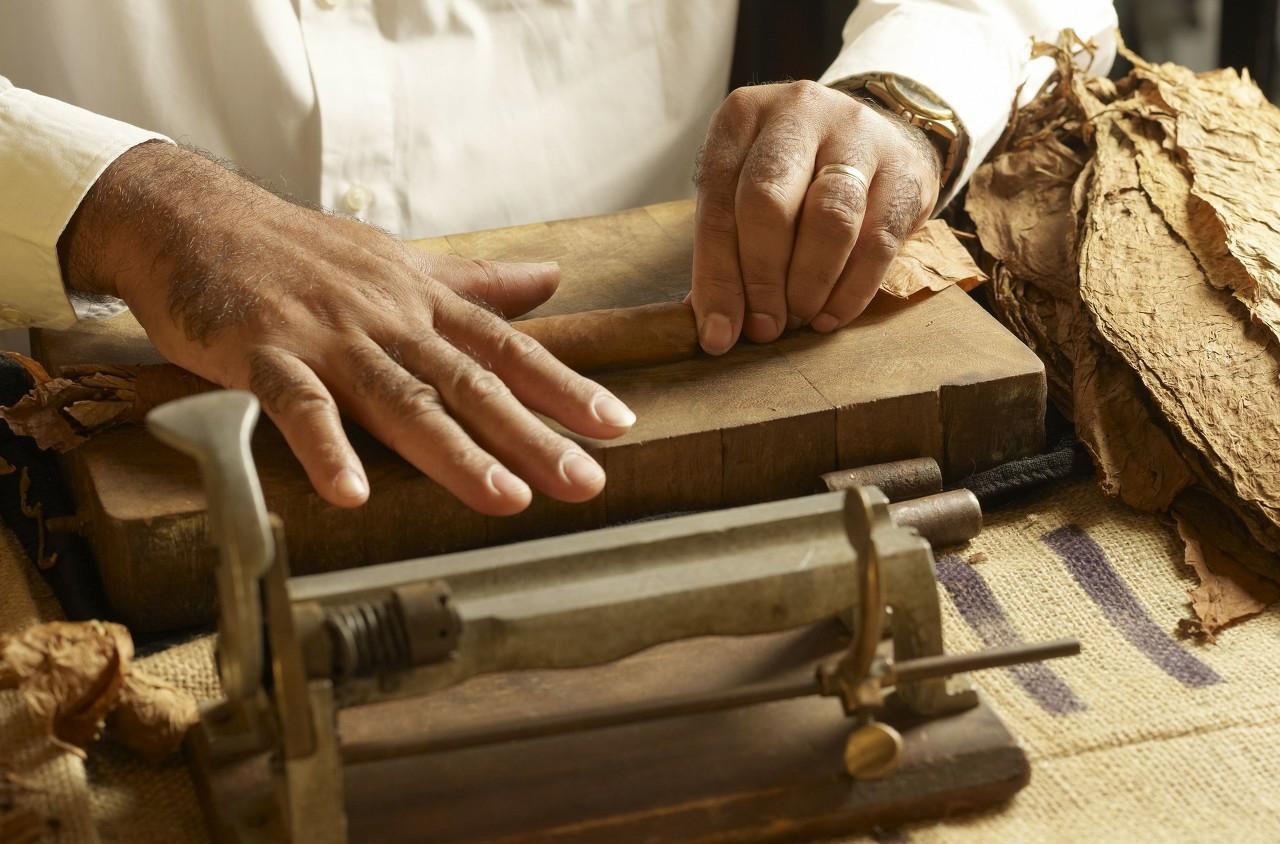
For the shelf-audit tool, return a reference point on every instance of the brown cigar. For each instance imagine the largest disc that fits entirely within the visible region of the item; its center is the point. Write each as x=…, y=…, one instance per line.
x=90, y=397
x=617, y=338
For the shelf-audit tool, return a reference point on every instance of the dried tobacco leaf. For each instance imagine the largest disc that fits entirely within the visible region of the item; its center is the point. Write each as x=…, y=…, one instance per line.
x=931, y=259
x=61, y=413
x=98, y=414
x=77, y=676
x=38, y=414
x=1034, y=317
x=1172, y=215
x=1135, y=458
x=1211, y=377
x=1168, y=185
x=1228, y=134
x=152, y=716
x=1228, y=591
x=1020, y=204
x=69, y=675
x=1216, y=524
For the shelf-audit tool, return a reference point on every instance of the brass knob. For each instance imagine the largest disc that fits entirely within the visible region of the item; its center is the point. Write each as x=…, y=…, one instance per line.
x=873, y=751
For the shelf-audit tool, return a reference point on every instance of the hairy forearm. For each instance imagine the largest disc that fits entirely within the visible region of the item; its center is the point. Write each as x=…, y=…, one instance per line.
x=105, y=243
x=154, y=227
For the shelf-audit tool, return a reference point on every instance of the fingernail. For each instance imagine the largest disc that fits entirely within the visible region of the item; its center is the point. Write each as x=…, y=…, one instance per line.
x=717, y=334
x=350, y=485
x=580, y=470
x=762, y=327
x=823, y=323
x=611, y=411
x=793, y=322
x=506, y=484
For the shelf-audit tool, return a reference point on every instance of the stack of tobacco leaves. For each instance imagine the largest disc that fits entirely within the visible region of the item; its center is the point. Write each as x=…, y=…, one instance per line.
x=1133, y=228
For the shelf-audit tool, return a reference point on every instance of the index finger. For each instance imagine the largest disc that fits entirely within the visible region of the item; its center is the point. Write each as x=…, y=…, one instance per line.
x=717, y=295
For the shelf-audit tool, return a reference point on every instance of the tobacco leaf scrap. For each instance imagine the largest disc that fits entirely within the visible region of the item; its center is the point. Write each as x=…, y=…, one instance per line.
x=1228, y=591
x=76, y=677
x=152, y=716
x=69, y=675
x=38, y=414
x=931, y=259
x=61, y=413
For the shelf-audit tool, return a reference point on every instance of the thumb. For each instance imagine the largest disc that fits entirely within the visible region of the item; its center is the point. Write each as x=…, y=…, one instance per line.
x=511, y=289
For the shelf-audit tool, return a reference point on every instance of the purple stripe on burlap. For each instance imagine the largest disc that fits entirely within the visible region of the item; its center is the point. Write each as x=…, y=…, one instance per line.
x=1089, y=565
x=978, y=606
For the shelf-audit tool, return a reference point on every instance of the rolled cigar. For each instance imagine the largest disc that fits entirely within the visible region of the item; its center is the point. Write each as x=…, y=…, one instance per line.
x=87, y=398
x=616, y=338
x=947, y=518
x=898, y=480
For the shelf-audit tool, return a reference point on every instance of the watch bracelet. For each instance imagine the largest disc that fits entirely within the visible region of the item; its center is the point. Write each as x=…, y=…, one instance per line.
x=946, y=175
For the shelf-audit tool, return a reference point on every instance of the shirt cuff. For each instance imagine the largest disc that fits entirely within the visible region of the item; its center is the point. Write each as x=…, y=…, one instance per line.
x=51, y=153
x=973, y=60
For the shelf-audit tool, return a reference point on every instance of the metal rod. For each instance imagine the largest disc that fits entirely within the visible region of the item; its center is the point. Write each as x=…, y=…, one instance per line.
x=696, y=703
x=925, y=667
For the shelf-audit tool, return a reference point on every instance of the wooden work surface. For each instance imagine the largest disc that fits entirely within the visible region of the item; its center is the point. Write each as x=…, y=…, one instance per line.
x=935, y=376
x=764, y=773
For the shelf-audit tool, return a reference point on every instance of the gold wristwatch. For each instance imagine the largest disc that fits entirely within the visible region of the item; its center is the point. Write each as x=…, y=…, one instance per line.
x=921, y=107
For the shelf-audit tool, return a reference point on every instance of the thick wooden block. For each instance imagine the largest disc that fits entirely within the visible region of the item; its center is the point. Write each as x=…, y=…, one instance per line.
x=935, y=376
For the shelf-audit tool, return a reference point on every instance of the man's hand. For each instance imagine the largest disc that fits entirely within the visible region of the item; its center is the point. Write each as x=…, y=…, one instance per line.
x=314, y=313
x=779, y=241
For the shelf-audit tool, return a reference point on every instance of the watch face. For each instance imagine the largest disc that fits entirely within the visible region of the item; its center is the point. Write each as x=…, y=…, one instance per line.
x=918, y=98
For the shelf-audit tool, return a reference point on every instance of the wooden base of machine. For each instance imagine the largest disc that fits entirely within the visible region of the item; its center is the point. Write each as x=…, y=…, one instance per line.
x=764, y=773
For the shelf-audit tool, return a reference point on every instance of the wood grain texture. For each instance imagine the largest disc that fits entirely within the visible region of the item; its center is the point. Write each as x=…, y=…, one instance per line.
x=932, y=376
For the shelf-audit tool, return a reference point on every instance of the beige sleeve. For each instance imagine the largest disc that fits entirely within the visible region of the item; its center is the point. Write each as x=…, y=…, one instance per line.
x=51, y=153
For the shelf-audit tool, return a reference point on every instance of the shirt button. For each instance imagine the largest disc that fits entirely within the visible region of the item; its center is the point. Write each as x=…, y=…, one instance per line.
x=357, y=198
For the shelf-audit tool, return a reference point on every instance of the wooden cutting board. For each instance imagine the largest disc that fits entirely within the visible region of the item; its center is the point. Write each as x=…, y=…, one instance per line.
x=934, y=376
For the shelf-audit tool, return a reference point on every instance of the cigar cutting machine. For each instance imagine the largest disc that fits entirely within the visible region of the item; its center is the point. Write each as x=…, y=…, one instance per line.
x=294, y=652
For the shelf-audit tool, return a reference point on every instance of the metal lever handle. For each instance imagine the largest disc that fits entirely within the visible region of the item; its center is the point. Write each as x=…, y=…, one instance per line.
x=214, y=428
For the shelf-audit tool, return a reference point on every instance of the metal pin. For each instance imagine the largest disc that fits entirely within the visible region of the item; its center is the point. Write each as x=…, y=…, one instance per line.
x=947, y=518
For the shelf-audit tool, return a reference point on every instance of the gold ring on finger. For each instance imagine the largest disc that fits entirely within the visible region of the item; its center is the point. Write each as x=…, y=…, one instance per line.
x=845, y=170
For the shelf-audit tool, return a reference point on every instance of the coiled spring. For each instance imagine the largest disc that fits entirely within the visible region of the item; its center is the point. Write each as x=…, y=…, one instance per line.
x=368, y=638
x=415, y=624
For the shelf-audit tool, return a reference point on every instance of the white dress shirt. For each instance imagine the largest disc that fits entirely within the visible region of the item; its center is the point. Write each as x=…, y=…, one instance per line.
x=434, y=116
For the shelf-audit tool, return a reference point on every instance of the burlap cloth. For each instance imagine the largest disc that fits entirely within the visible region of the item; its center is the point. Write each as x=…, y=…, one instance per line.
x=1141, y=738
